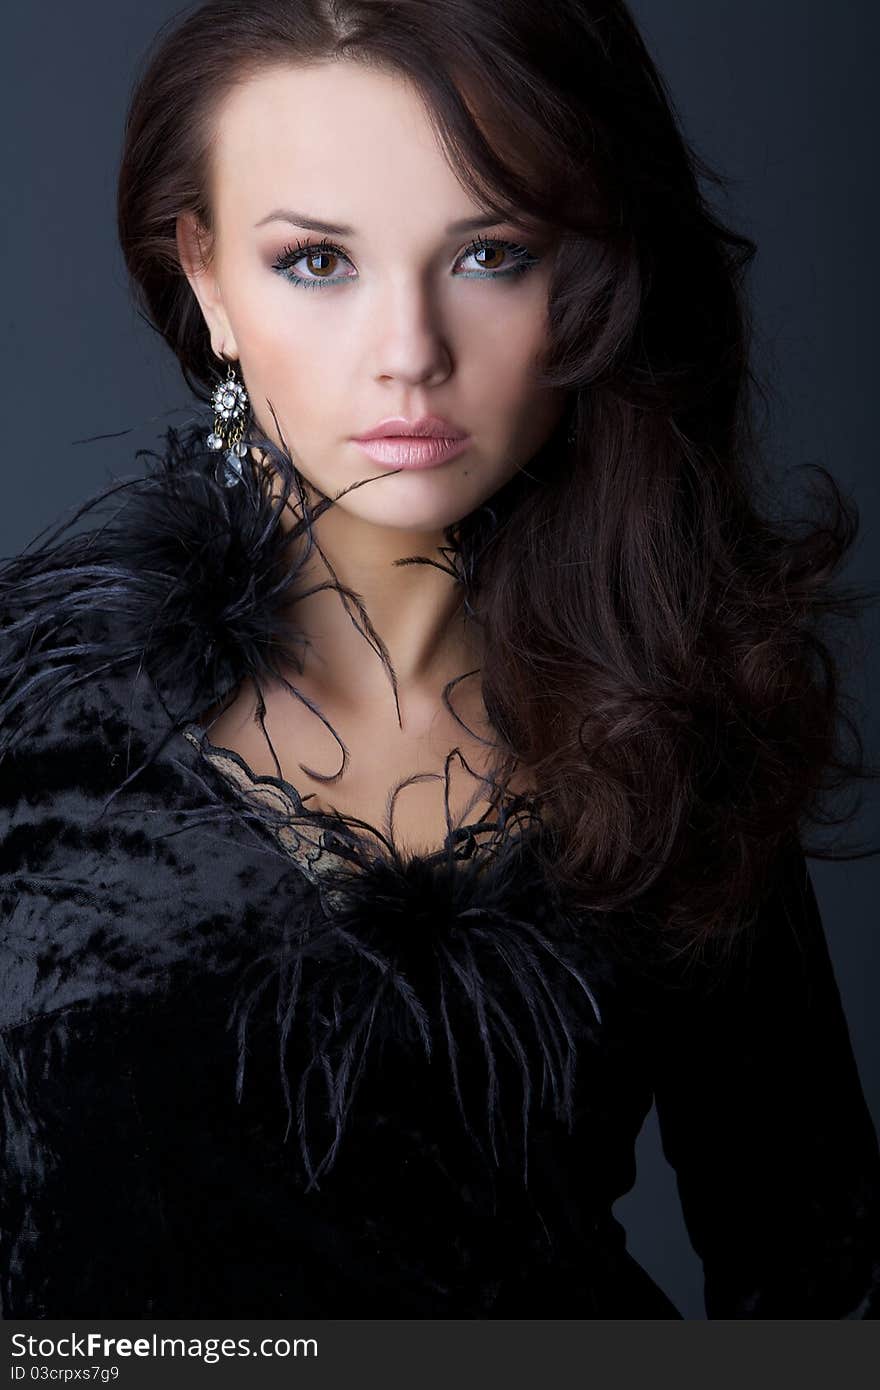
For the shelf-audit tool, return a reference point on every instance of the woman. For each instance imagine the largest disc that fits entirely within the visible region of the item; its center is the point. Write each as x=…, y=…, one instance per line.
x=388, y=824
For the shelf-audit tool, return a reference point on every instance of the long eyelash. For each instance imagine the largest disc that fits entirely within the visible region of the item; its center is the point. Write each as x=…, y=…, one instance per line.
x=523, y=258
x=293, y=252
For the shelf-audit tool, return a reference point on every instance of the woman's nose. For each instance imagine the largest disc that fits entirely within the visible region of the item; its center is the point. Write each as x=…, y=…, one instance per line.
x=411, y=341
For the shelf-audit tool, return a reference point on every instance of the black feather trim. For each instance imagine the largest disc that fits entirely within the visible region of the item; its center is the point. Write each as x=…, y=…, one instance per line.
x=461, y=959
x=185, y=576
x=461, y=955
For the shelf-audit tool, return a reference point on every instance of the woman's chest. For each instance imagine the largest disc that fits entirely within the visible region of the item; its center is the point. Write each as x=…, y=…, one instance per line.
x=413, y=784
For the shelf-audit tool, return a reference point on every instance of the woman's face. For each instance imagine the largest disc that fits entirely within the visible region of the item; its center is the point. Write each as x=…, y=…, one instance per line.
x=402, y=317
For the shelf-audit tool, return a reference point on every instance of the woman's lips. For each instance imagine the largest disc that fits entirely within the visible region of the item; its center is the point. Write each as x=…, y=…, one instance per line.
x=408, y=451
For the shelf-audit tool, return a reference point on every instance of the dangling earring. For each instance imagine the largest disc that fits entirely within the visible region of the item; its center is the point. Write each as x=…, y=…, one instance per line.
x=230, y=401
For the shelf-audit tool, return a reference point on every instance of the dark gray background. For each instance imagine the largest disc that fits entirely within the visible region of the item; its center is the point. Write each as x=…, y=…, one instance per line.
x=777, y=96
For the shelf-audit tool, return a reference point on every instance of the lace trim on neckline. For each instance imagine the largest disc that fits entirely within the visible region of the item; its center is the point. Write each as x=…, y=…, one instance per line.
x=323, y=843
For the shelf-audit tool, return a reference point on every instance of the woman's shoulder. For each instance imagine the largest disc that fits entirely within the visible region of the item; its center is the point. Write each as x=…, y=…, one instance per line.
x=165, y=570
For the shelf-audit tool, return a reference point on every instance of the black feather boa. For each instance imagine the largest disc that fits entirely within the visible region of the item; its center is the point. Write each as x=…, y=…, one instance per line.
x=467, y=957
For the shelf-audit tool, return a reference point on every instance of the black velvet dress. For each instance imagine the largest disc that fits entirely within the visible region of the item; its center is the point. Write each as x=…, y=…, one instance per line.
x=256, y=1063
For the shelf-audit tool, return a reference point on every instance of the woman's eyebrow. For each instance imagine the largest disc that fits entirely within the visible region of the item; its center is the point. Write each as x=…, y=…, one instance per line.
x=315, y=224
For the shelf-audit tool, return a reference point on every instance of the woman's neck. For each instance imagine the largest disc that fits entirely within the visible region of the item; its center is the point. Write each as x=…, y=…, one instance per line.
x=416, y=612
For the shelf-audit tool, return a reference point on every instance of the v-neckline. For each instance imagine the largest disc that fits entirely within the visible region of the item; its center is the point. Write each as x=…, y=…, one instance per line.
x=322, y=842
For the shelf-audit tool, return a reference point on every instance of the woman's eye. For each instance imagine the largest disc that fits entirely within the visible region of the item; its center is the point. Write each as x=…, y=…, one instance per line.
x=318, y=258
x=501, y=259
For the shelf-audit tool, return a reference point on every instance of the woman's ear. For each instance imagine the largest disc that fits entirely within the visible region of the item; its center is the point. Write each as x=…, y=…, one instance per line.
x=192, y=243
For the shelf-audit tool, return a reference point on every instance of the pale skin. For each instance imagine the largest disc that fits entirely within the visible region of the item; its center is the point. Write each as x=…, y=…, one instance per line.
x=402, y=324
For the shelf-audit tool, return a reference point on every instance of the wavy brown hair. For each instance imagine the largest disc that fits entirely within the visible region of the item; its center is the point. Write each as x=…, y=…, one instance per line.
x=657, y=648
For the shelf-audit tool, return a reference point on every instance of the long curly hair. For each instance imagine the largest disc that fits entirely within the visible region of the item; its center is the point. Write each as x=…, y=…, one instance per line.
x=657, y=646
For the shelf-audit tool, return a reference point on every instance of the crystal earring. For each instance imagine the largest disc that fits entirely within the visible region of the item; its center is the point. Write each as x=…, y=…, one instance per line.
x=230, y=401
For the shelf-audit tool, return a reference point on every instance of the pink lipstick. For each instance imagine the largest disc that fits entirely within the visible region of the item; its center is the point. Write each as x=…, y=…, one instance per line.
x=421, y=443
x=409, y=452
